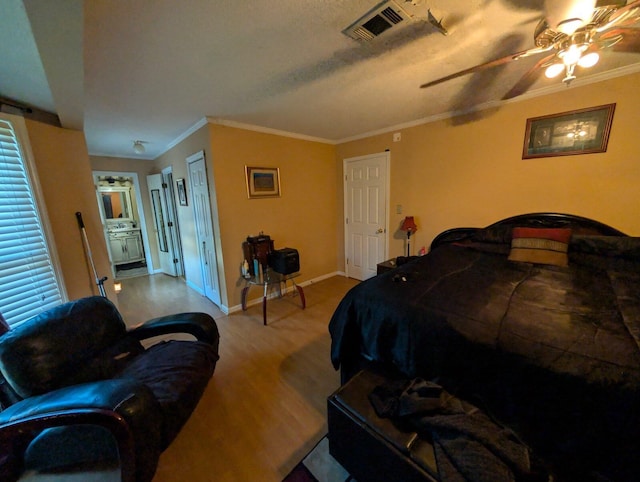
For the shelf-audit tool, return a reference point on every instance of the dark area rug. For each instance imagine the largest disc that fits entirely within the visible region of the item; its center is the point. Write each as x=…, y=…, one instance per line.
x=300, y=474
x=137, y=264
x=319, y=466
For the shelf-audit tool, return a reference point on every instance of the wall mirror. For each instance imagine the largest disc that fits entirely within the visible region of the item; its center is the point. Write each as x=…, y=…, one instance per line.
x=116, y=202
x=159, y=219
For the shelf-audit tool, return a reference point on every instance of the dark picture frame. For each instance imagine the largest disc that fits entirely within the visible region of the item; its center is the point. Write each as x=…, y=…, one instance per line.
x=262, y=182
x=182, y=192
x=582, y=131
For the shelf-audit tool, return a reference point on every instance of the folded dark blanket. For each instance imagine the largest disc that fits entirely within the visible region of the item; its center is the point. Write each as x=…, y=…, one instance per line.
x=468, y=445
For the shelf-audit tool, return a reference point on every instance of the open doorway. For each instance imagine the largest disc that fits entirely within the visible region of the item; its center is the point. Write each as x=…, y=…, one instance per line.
x=120, y=206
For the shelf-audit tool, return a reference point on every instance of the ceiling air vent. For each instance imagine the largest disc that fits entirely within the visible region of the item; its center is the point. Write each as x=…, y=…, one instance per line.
x=376, y=21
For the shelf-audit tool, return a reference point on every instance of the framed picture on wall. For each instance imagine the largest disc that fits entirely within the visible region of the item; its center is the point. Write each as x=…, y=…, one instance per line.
x=581, y=131
x=182, y=192
x=262, y=182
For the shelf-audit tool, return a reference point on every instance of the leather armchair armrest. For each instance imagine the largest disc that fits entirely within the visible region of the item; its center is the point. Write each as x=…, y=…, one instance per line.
x=201, y=325
x=16, y=434
x=123, y=406
x=103, y=394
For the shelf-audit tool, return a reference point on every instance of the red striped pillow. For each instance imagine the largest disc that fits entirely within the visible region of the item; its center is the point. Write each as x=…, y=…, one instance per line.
x=540, y=245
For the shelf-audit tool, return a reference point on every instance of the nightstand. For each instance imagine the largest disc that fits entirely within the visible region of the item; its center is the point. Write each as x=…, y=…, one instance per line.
x=385, y=266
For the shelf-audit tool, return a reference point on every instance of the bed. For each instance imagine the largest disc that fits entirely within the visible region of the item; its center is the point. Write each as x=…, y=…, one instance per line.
x=549, y=346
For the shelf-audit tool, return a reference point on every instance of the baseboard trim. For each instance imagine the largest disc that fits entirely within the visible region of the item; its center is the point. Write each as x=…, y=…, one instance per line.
x=196, y=288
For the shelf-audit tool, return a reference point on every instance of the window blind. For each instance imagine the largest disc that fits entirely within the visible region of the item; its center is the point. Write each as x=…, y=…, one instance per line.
x=28, y=283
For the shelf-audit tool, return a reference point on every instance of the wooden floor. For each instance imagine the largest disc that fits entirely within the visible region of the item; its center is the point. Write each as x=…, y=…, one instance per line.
x=265, y=406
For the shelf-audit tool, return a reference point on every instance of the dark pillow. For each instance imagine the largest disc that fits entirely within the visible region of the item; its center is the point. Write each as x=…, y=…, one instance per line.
x=495, y=234
x=540, y=245
x=618, y=246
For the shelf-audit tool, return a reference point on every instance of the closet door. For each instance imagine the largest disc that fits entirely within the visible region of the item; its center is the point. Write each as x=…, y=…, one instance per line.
x=204, y=226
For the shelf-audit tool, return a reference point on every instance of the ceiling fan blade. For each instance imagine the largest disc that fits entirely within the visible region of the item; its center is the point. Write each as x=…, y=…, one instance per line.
x=630, y=42
x=622, y=17
x=486, y=65
x=528, y=79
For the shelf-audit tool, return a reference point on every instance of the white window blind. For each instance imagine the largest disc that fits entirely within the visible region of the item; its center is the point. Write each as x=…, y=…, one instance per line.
x=28, y=282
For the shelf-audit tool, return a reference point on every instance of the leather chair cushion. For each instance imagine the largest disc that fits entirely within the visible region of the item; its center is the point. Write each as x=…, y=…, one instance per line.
x=77, y=447
x=177, y=372
x=45, y=353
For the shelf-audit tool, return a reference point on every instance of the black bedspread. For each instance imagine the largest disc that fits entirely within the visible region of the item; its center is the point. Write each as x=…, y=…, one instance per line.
x=552, y=351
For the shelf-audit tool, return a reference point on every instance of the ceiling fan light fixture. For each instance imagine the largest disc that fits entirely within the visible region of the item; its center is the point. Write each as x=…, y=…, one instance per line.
x=553, y=71
x=570, y=25
x=589, y=60
x=138, y=147
x=567, y=16
x=571, y=55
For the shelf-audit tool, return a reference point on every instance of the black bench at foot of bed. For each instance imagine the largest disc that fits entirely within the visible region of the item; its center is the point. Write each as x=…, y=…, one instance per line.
x=373, y=448
x=412, y=430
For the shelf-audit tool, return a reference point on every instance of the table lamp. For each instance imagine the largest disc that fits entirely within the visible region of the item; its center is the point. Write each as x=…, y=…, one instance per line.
x=409, y=225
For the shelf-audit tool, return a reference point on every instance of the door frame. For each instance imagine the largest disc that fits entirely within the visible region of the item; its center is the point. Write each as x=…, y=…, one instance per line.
x=387, y=189
x=142, y=221
x=172, y=216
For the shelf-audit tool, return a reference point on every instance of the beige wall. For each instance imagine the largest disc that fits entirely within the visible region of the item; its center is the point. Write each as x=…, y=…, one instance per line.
x=62, y=164
x=473, y=174
x=302, y=218
x=142, y=168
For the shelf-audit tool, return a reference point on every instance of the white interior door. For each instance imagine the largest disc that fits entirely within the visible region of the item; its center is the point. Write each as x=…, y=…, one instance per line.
x=365, y=194
x=204, y=226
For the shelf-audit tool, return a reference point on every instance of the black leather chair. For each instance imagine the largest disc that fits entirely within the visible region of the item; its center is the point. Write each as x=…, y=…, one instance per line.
x=78, y=389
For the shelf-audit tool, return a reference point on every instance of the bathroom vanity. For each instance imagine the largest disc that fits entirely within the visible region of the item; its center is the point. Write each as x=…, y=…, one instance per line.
x=123, y=232
x=125, y=245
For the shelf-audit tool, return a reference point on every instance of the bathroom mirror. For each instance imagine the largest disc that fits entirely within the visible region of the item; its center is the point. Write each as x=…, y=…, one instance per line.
x=116, y=202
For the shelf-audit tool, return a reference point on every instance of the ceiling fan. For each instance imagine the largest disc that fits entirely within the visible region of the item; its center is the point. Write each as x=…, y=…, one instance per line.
x=573, y=33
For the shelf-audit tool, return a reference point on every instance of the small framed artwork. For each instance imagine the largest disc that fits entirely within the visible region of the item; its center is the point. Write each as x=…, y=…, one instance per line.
x=262, y=182
x=583, y=131
x=182, y=192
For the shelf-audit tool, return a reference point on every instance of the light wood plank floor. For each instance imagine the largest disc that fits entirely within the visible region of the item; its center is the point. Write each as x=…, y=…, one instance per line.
x=265, y=406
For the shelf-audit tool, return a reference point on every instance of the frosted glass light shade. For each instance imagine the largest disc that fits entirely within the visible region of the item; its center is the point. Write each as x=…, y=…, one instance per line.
x=589, y=60
x=553, y=71
x=567, y=16
x=138, y=147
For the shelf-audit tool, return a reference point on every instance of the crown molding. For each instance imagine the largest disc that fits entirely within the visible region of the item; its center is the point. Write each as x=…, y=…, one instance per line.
x=267, y=130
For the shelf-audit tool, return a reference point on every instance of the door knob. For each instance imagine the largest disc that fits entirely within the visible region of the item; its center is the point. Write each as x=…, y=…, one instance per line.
x=380, y=231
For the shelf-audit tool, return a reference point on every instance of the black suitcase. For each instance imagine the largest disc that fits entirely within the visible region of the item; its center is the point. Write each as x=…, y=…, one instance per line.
x=285, y=260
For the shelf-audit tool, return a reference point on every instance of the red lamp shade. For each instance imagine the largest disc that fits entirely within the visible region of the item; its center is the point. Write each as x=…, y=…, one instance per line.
x=409, y=225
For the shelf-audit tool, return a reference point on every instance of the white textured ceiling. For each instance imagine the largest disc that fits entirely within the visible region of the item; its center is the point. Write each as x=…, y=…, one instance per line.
x=151, y=69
